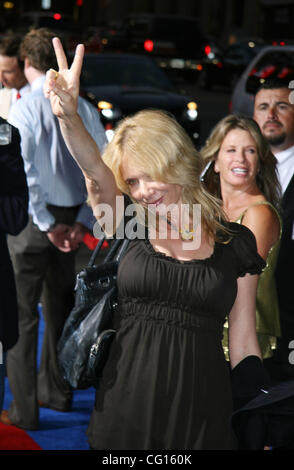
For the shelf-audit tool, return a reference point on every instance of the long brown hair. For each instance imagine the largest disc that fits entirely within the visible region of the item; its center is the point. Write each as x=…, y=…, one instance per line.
x=266, y=178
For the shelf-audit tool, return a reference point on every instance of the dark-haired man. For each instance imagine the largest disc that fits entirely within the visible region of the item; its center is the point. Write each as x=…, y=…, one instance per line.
x=12, y=75
x=274, y=113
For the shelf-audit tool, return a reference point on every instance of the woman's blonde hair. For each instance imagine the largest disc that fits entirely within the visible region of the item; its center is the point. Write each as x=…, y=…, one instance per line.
x=154, y=143
x=266, y=178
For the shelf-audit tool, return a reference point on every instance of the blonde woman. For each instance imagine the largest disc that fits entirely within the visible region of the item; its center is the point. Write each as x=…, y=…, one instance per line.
x=242, y=173
x=166, y=384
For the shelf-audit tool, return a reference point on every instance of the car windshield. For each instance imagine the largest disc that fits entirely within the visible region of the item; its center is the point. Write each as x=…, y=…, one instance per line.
x=275, y=64
x=240, y=54
x=101, y=71
x=166, y=28
x=61, y=23
x=174, y=28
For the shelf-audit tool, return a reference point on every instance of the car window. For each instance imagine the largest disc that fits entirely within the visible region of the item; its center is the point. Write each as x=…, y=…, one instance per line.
x=177, y=28
x=139, y=27
x=165, y=28
x=120, y=72
x=274, y=64
x=244, y=54
x=47, y=22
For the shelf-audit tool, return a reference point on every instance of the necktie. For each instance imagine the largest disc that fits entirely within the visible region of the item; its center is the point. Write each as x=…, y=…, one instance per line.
x=18, y=95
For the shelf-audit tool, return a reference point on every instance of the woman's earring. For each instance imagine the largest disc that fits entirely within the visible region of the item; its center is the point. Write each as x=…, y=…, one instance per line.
x=203, y=173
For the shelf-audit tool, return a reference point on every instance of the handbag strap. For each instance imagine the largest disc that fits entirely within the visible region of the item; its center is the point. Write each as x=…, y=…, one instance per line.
x=129, y=227
x=114, y=246
x=96, y=251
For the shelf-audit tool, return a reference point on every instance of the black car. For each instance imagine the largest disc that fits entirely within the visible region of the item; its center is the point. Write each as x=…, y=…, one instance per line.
x=226, y=67
x=122, y=84
x=177, y=43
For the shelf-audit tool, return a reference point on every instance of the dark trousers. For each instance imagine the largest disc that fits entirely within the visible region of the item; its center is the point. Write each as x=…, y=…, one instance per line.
x=42, y=272
x=2, y=377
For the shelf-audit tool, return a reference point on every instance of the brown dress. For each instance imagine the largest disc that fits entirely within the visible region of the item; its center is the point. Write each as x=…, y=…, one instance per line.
x=166, y=384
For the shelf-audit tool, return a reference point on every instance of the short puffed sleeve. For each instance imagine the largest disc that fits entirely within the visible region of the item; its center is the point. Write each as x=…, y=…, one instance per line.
x=244, y=248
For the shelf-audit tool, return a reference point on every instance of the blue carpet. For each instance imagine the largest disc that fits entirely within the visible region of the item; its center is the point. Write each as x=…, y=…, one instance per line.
x=57, y=430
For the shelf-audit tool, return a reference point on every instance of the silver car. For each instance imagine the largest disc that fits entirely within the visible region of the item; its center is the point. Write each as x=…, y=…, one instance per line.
x=270, y=62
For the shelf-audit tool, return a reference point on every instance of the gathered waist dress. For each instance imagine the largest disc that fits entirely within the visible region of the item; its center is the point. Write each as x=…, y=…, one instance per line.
x=166, y=383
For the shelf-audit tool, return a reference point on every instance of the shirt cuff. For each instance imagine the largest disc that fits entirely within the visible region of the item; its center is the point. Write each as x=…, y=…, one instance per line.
x=44, y=222
x=86, y=217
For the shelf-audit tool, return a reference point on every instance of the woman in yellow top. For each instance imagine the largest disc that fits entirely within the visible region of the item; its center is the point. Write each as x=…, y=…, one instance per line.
x=240, y=169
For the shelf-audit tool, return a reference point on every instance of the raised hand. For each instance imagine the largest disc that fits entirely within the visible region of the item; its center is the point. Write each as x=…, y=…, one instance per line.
x=62, y=87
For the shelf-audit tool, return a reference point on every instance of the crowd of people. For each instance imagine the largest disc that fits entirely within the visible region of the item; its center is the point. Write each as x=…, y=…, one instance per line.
x=202, y=307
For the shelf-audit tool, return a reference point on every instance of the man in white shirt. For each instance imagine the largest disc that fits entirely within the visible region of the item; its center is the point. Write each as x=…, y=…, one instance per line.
x=12, y=76
x=274, y=113
x=44, y=253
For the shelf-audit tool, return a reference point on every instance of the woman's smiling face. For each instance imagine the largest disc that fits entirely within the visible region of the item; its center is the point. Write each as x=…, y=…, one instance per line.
x=237, y=161
x=145, y=191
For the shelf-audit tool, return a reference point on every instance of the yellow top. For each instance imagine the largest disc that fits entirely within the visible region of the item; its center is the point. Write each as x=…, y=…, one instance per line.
x=267, y=307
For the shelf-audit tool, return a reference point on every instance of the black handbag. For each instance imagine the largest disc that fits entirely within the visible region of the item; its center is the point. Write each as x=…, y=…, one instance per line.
x=87, y=334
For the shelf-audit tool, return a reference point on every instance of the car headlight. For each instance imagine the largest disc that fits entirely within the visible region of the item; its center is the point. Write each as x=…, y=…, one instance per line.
x=108, y=111
x=191, y=110
x=104, y=105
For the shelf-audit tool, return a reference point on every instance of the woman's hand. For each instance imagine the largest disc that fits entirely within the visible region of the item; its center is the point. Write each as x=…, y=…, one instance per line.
x=62, y=87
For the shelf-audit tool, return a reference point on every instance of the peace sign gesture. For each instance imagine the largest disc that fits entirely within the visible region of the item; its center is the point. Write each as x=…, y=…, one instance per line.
x=62, y=87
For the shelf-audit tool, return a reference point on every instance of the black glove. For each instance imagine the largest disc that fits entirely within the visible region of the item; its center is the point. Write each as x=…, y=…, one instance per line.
x=249, y=378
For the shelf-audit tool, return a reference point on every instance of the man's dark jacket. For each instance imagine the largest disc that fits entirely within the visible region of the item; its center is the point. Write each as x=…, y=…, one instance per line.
x=13, y=219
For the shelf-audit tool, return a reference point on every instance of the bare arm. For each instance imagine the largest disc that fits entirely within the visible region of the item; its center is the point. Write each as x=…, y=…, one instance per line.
x=264, y=224
x=63, y=90
x=242, y=329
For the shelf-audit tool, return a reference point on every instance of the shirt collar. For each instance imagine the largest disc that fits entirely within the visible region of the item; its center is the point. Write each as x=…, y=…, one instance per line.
x=25, y=88
x=285, y=154
x=38, y=83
